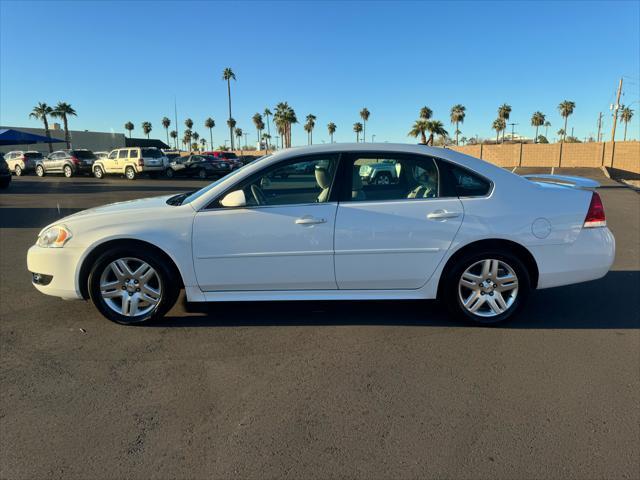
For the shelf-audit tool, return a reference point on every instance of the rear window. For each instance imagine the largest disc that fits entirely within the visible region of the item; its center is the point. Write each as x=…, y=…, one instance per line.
x=151, y=153
x=33, y=155
x=84, y=154
x=469, y=184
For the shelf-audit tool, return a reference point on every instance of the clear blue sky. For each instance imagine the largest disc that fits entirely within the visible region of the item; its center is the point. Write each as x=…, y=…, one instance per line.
x=121, y=61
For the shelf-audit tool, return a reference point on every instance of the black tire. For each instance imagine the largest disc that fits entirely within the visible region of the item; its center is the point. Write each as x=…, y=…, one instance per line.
x=202, y=173
x=169, y=173
x=130, y=173
x=167, y=275
x=40, y=171
x=451, y=291
x=382, y=179
x=98, y=172
x=68, y=171
x=18, y=170
x=4, y=183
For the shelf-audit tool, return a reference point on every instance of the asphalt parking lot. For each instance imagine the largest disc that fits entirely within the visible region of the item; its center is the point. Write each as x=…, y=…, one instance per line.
x=314, y=389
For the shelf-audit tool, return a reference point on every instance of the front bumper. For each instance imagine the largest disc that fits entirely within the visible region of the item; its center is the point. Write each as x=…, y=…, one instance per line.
x=62, y=264
x=589, y=257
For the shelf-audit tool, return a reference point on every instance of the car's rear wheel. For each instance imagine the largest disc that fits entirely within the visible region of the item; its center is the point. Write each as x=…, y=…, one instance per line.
x=487, y=287
x=169, y=172
x=98, y=172
x=68, y=171
x=18, y=170
x=40, y=171
x=130, y=173
x=202, y=173
x=382, y=179
x=130, y=287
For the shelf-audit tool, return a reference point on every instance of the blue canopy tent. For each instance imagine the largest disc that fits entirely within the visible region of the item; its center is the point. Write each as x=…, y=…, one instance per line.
x=9, y=136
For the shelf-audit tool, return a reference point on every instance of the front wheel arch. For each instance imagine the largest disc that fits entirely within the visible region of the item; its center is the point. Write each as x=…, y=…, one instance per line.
x=516, y=249
x=90, y=259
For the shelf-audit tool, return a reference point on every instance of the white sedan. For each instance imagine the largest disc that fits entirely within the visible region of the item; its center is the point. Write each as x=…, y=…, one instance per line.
x=450, y=227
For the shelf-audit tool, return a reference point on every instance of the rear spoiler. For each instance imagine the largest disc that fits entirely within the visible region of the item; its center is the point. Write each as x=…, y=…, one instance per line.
x=580, y=183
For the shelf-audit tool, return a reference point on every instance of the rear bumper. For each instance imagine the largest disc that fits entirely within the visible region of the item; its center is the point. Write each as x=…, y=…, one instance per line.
x=59, y=263
x=589, y=257
x=147, y=169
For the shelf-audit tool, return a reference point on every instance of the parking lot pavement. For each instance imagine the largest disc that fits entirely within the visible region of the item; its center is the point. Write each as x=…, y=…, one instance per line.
x=315, y=389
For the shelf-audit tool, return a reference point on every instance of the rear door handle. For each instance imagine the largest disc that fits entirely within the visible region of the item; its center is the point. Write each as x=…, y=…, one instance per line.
x=442, y=215
x=309, y=220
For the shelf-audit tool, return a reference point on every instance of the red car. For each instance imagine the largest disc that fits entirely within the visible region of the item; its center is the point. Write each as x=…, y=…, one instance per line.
x=228, y=157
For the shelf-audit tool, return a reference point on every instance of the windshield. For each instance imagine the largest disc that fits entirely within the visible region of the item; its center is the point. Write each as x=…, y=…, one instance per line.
x=33, y=155
x=202, y=191
x=84, y=154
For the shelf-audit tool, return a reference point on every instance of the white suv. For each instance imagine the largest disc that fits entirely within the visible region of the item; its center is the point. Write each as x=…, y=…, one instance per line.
x=130, y=162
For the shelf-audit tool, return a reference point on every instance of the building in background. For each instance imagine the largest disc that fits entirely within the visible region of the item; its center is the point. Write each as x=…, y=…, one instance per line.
x=94, y=141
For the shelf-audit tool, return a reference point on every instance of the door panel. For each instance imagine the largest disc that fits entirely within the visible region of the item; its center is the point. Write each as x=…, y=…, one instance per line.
x=287, y=247
x=392, y=245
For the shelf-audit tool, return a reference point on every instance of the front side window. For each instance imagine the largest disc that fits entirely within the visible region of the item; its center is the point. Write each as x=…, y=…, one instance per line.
x=394, y=177
x=113, y=154
x=307, y=180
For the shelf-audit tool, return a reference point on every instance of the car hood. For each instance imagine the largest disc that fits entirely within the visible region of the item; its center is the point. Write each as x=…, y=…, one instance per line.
x=126, y=210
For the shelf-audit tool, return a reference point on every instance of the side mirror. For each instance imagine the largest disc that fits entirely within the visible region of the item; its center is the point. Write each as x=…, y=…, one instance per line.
x=234, y=199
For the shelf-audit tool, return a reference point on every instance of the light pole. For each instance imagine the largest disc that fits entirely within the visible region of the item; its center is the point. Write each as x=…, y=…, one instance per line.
x=373, y=138
x=245, y=140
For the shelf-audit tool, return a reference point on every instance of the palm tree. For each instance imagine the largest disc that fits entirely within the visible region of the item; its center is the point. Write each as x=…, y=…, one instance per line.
x=166, y=122
x=64, y=110
x=284, y=117
x=173, y=134
x=188, y=123
x=364, y=114
x=331, y=127
x=537, y=120
x=267, y=113
x=504, y=111
x=426, y=113
x=457, y=116
x=419, y=128
x=195, y=136
x=231, y=123
x=357, y=127
x=258, y=123
x=146, y=128
x=561, y=133
x=626, y=114
x=228, y=75
x=266, y=137
x=566, y=108
x=129, y=126
x=308, y=127
x=203, y=142
x=210, y=123
x=239, y=134
x=187, y=138
x=435, y=127
x=499, y=124
x=40, y=112
x=546, y=126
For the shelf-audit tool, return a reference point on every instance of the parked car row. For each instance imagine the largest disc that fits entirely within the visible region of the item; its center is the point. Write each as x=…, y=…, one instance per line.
x=130, y=162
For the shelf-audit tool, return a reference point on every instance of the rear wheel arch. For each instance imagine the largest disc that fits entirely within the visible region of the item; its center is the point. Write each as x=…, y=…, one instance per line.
x=495, y=244
x=97, y=251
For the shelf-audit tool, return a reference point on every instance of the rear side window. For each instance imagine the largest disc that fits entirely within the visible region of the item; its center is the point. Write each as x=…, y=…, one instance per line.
x=467, y=183
x=151, y=153
x=122, y=154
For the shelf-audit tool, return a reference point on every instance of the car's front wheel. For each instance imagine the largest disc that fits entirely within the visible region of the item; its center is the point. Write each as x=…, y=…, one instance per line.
x=131, y=287
x=98, y=172
x=18, y=171
x=130, y=173
x=40, y=171
x=169, y=173
x=487, y=287
x=202, y=173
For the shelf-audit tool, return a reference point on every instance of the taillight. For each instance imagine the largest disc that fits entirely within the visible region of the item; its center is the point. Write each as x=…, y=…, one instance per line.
x=75, y=160
x=595, y=214
x=141, y=162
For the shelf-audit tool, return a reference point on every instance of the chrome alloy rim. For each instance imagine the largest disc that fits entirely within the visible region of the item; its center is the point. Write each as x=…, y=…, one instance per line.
x=130, y=287
x=488, y=288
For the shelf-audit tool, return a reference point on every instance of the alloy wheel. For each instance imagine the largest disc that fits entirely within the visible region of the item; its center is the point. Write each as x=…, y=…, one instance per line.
x=488, y=288
x=40, y=171
x=18, y=170
x=130, y=287
x=68, y=172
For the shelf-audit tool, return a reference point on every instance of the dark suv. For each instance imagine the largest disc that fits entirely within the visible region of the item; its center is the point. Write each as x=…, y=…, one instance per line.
x=68, y=162
x=5, y=173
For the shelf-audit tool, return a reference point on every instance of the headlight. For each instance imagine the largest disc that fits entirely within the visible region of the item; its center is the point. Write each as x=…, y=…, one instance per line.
x=54, y=237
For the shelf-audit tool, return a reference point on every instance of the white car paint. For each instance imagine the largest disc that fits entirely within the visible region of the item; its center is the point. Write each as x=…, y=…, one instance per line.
x=363, y=250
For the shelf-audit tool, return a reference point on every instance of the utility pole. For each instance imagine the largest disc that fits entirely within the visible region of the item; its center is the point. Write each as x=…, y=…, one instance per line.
x=245, y=140
x=615, y=112
x=512, y=127
x=599, y=126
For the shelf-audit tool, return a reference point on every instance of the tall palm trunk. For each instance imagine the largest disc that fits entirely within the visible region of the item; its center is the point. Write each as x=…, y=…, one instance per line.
x=47, y=132
x=423, y=138
x=564, y=135
x=167, y=130
x=497, y=136
x=457, y=133
x=229, y=97
x=66, y=130
x=311, y=134
x=625, y=131
x=535, y=139
x=364, y=132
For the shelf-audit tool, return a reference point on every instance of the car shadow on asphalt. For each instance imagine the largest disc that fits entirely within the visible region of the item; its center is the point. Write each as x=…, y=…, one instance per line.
x=612, y=302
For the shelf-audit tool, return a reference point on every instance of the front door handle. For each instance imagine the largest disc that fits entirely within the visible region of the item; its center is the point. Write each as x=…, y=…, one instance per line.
x=309, y=220
x=442, y=214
